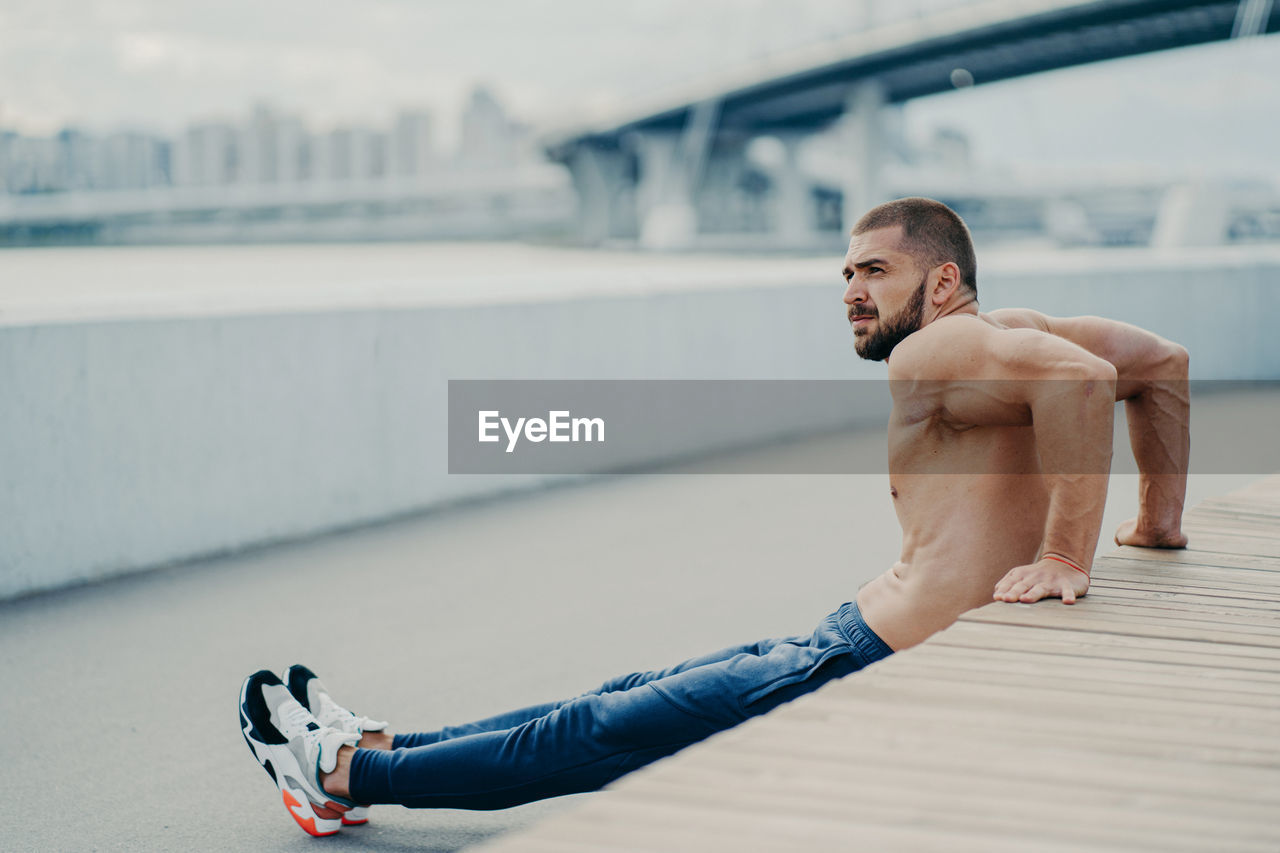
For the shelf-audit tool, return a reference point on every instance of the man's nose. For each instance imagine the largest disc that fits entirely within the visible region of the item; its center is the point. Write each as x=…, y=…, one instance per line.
x=855, y=292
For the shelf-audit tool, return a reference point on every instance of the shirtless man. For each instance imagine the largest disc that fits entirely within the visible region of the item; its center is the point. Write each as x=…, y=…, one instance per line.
x=999, y=452
x=1017, y=408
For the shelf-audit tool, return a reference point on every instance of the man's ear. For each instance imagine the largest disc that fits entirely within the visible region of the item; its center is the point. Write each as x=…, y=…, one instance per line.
x=946, y=282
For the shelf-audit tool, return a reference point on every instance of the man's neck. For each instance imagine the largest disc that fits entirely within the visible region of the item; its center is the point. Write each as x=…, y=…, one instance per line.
x=967, y=304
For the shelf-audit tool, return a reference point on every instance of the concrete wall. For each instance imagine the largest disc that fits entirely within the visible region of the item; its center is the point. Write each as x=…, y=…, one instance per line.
x=131, y=443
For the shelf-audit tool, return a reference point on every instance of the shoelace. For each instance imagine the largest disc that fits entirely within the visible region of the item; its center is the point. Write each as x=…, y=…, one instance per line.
x=330, y=713
x=296, y=720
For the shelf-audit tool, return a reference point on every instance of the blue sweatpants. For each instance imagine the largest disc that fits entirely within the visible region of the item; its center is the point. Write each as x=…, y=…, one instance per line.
x=582, y=744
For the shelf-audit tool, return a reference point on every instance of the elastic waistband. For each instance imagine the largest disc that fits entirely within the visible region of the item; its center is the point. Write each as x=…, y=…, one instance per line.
x=860, y=636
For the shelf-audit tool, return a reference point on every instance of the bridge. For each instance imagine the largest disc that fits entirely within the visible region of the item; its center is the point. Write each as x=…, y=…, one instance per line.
x=639, y=174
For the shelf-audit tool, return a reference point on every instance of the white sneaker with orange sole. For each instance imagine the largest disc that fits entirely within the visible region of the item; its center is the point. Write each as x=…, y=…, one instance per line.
x=294, y=748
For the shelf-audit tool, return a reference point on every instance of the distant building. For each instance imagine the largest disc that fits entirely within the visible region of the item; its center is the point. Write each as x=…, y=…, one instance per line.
x=6, y=140
x=488, y=136
x=31, y=165
x=412, y=145
x=292, y=141
x=80, y=166
x=206, y=155
x=349, y=154
x=133, y=160
x=273, y=148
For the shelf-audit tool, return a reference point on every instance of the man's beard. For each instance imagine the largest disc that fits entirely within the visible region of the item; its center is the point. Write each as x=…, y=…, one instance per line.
x=876, y=346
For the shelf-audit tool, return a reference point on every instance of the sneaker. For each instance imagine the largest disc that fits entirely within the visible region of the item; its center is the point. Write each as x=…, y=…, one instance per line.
x=294, y=749
x=311, y=694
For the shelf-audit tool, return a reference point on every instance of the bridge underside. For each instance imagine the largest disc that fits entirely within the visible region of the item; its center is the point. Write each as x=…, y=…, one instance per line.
x=1092, y=32
x=685, y=171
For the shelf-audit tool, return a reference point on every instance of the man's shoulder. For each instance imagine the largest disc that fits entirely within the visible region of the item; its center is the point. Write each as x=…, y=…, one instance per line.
x=974, y=347
x=949, y=330
x=945, y=344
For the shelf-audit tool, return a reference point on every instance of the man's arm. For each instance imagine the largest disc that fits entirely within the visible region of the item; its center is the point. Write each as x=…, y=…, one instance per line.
x=971, y=373
x=1152, y=381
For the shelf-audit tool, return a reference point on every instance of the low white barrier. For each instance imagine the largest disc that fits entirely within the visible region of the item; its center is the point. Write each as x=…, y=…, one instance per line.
x=131, y=442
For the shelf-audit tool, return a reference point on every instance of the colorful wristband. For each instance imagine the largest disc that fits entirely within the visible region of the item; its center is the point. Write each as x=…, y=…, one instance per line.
x=1068, y=562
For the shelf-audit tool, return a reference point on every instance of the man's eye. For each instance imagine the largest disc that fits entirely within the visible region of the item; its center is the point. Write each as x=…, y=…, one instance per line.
x=874, y=269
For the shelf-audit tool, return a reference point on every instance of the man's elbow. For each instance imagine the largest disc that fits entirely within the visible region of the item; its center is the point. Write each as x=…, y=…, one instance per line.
x=1162, y=360
x=1098, y=371
x=1175, y=361
x=1094, y=378
x=1098, y=378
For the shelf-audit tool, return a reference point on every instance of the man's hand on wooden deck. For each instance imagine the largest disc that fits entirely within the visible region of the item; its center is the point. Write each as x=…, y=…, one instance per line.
x=1047, y=578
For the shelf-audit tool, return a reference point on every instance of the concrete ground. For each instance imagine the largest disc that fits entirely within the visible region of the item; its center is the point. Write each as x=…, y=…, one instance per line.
x=118, y=699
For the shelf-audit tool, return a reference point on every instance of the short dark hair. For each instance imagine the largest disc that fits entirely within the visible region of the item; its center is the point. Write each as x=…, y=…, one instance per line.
x=931, y=232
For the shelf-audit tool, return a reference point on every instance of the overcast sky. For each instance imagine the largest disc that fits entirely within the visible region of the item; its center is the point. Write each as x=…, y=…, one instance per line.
x=160, y=64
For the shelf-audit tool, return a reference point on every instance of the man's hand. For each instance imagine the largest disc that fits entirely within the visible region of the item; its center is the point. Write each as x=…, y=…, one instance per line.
x=1045, y=579
x=1130, y=533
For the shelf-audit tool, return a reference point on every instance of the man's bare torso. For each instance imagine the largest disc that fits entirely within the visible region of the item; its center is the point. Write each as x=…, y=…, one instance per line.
x=972, y=505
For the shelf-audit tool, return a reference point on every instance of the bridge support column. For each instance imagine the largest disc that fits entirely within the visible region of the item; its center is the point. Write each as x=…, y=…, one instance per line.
x=664, y=198
x=1191, y=215
x=671, y=168
x=598, y=177
x=864, y=144
x=795, y=214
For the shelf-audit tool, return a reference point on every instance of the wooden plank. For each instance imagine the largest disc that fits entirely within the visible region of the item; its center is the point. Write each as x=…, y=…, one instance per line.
x=1210, y=525
x=1027, y=733
x=1130, y=613
x=1213, y=610
x=1230, y=509
x=789, y=774
x=1187, y=591
x=1077, y=668
x=1240, y=507
x=1248, y=502
x=1064, y=764
x=1209, y=543
x=1203, y=559
x=888, y=793
x=1263, y=570
x=731, y=794
x=1238, y=531
x=1045, y=702
x=646, y=826
x=1123, y=681
x=975, y=635
x=1044, y=698
x=1093, y=619
x=1152, y=731
x=1264, y=523
x=1243, y=580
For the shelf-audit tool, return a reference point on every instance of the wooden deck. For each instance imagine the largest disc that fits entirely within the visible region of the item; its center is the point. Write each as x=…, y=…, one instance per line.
x=1146, y=717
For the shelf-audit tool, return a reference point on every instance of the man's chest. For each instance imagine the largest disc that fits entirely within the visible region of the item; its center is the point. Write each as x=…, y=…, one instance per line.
x=932, y=445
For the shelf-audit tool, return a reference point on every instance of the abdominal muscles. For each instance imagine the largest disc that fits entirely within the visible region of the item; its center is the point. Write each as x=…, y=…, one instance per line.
x=960, y=534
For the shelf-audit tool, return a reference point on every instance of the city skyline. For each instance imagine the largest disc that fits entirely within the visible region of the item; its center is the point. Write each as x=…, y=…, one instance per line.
x=161, y=67
x=264, y=145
